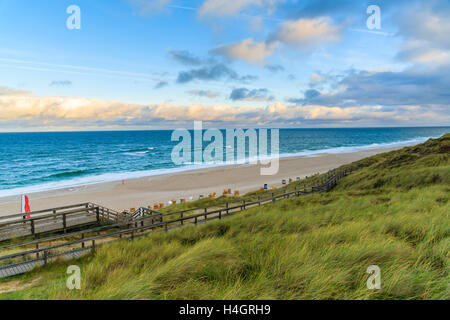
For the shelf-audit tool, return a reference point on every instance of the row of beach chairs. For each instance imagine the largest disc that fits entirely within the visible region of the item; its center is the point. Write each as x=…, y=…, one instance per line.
x=226, y=192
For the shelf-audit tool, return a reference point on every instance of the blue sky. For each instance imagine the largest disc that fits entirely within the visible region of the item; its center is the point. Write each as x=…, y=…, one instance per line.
x=150, y=64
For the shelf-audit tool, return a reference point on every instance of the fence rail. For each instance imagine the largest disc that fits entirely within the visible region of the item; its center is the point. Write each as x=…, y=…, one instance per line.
x=148, y=220
x=55, y=219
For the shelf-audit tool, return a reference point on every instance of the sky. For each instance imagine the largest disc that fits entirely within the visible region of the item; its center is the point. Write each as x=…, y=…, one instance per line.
x=162, y=64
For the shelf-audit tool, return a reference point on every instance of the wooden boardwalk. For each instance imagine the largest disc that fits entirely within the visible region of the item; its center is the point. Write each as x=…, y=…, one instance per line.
x=27, y=255
x=21, y=268
x=54, y=220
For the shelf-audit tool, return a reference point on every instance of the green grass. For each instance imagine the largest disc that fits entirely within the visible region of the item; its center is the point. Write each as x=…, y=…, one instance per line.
x=393, y=211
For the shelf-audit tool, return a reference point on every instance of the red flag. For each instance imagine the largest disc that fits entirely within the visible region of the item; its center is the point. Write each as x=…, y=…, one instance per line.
x=26, y=206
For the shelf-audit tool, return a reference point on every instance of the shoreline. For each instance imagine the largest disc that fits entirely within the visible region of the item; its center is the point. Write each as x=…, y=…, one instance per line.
x=119, y=176
x=148, y=190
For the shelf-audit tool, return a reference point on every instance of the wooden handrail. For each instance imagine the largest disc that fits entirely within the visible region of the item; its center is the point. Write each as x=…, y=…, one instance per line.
x=251, y=197
x=43, y=211
x=65, y=213
x=329, y=182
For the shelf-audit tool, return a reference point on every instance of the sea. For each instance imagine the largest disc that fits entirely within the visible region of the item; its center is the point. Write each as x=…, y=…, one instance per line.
x=32, y=162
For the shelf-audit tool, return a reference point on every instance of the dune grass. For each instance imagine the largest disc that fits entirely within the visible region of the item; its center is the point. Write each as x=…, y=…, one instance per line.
x=393, y=211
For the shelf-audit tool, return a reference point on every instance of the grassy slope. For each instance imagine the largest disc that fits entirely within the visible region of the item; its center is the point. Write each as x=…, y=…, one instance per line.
x=392, y=212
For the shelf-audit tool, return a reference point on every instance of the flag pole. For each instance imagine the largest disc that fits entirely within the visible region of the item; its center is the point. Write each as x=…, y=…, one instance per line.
x=25, y=206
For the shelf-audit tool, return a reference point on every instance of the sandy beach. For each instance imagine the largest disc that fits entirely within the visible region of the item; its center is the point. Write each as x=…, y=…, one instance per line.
x=150, y=190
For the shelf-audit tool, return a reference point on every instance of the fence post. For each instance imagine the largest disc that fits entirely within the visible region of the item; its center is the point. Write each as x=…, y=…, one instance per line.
x=64, y=223
x=181, y=216
x=45, y=257
x=32, y=228
x=82, y=243
x=93, y=245
x=97, y=211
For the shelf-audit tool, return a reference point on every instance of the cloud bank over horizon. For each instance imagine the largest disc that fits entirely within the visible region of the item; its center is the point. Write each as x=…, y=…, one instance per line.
x=65, y=113
x=240, y=63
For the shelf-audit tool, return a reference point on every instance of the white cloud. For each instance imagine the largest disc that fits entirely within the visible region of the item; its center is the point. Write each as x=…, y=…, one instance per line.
x=427, y=37
x=425, y=24
x=60, y=109
x=423, y=52
x=5, y=91
x=233, y=7
x=432, y=57
x=306, y=32
x=317, y=78
x=256, y=24
x=150, y=6
x=72, y=112
x=204, y=93
x=247, y=50
x=301, y=33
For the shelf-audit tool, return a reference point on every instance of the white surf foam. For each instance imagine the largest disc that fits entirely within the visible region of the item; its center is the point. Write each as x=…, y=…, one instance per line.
x=111, y=177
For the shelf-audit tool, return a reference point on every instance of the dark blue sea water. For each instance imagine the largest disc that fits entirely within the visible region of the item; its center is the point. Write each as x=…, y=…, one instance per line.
x=42, y=161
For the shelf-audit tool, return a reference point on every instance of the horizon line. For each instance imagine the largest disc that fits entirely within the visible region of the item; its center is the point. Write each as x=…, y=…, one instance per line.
x=245, y=128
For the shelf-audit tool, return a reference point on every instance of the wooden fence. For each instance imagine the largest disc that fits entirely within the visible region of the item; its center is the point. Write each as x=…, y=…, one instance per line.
x=55, y=219
x=131, y=228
